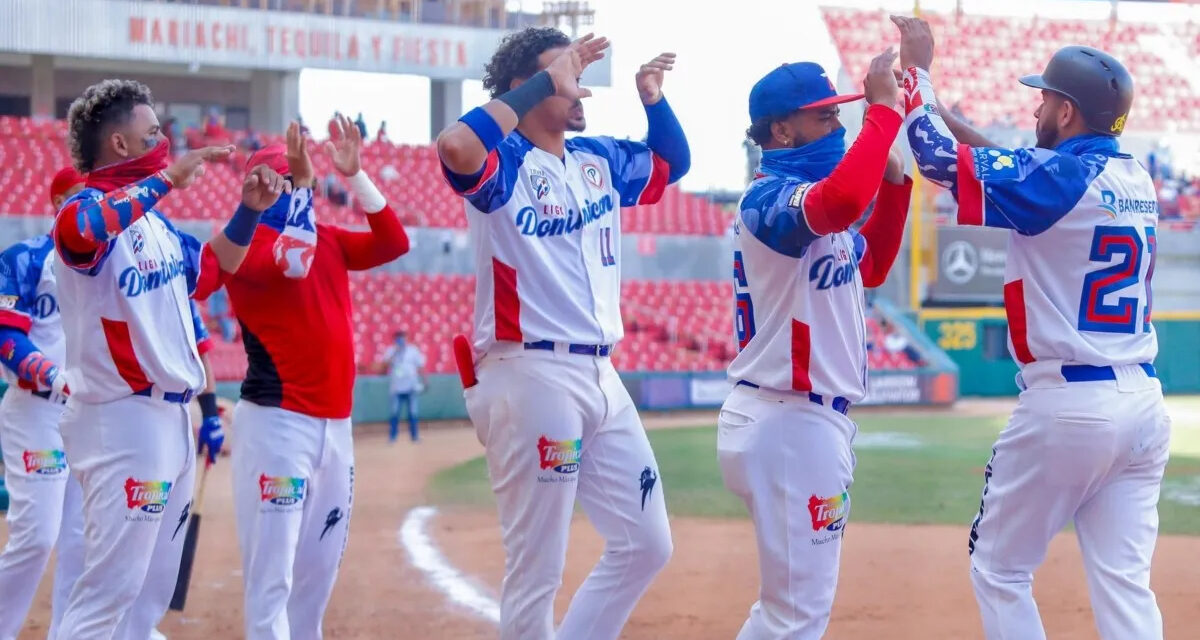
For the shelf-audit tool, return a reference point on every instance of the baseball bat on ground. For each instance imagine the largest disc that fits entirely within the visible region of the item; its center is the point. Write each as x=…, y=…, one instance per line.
x=184, y=580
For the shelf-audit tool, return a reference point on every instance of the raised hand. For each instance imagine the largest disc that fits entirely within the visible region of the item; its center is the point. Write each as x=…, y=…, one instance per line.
x=880, y=84
x=650, y=77
x=184, y=171
x=262, y=187
x=344, y=146
x=569, y=65
x=299, y=164
x=916, y=42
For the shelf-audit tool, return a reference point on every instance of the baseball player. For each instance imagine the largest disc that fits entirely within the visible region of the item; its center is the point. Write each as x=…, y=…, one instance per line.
x=293, y=460
x=42, y=496
x=545, y=217
x=783, y=438
x=1088, y=440
x=125, y=276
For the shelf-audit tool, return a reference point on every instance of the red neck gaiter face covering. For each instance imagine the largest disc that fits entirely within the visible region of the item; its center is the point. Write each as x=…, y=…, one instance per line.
x=123, y=174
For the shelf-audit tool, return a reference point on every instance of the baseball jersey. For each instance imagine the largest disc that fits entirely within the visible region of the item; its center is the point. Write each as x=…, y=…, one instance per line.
x=127, y=313
x=798, y=296
x=297, y=319
x=29, y=300
x=547, y=234
x=1081, y=248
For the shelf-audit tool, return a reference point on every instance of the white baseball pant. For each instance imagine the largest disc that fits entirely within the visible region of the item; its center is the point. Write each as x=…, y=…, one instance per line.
x=43, y=507
x=1088, y=452
x=135, y=461
x=790, y=460
x=293, y=485
x=557, y=426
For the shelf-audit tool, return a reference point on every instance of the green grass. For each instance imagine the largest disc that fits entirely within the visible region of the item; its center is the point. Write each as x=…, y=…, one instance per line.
x=938, y=482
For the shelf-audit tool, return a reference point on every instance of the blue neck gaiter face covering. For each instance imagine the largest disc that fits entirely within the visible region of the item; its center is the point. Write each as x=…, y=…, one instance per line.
x=811, y=162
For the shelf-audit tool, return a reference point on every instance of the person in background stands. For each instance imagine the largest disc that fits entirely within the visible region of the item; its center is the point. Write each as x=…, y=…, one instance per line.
x=405, y=382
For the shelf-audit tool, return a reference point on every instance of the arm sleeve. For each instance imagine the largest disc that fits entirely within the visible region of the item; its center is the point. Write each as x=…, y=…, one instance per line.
x=836, y=202
x=19, y=354
x=85, y=226
x=771, y=210
x=204, y=342
x=296, y=246
x=1023, y=190
x=666, y=139
x=491, y=187
x=385, y=242
x=883, y=232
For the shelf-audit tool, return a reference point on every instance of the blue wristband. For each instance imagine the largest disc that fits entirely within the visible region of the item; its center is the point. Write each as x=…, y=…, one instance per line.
x=484, y=126
x=240, y=228
x=208, y=405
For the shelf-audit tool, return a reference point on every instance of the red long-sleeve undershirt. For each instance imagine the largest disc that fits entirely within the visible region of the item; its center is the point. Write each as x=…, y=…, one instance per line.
x=884, y=231
x=386, y=241
x=836, y=202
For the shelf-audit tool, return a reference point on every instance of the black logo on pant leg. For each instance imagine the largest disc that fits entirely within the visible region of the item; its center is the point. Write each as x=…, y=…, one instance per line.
x=183, y=518
x=647, y=481
x=987, y=476
x=331, y=520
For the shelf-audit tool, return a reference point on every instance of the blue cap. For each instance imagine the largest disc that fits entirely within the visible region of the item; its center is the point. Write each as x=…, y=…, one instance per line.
x=788, y=87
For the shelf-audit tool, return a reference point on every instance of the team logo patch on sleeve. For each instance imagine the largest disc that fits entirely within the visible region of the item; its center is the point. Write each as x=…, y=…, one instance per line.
x=797, y=199
x=8, y=303
x=996, y=164
x=593, y=175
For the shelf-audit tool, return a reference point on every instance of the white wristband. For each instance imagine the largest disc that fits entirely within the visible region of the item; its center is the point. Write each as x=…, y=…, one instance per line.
x=367, y=193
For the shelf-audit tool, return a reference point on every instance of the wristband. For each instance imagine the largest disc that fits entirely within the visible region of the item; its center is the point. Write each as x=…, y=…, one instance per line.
x=529, y=94
x=240, y=228
x=208, y=405
x=485, y=127
x=368, y=194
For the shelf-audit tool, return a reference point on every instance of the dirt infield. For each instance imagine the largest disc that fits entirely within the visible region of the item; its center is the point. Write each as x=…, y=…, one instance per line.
x=897, y=582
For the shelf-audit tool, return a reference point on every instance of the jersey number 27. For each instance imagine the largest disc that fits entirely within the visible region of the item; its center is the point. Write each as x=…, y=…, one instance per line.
x=1125, y=244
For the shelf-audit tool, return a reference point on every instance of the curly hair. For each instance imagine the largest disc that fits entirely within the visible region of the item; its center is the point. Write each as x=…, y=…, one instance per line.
x=760, y=130
x=517, y=56
x=102, y=105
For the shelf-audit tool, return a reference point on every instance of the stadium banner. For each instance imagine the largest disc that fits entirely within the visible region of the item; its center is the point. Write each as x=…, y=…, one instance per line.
x=249, y=38
x=970, y=267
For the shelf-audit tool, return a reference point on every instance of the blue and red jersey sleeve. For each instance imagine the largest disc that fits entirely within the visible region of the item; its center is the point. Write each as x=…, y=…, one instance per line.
x=492, y=186
x=90, y=220
x=1023, y=190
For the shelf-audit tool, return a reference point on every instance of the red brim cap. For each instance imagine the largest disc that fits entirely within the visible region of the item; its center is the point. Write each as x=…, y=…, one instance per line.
x=274, y=156
x=66, y=178
x=834, y=100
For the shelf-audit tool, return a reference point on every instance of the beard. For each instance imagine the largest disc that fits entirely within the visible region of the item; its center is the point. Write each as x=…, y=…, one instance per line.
x=1047, y=135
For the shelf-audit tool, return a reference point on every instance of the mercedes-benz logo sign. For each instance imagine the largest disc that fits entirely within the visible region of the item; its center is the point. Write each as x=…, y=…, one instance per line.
x=960, y=261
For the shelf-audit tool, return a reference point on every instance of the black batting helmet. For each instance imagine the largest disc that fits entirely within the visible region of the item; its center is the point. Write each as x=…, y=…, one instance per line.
x=1096, y=82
